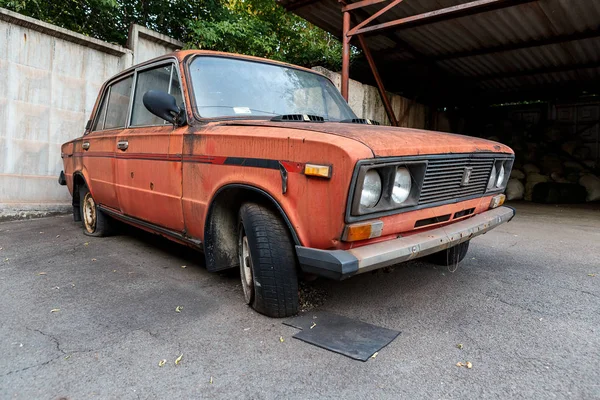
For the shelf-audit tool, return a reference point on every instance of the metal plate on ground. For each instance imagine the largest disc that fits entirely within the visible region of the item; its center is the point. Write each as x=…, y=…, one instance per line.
x=350, y=337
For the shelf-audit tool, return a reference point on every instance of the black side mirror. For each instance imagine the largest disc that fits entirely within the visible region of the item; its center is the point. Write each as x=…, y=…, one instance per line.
x=164, y=105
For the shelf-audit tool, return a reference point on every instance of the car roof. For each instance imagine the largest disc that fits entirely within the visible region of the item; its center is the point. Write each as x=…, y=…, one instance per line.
x=181, y=55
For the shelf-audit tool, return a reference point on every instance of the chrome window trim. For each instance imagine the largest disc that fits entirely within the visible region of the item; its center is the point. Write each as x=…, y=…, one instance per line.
x=352, y=192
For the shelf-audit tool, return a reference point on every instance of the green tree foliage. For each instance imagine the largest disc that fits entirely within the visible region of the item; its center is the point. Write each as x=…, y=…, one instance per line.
x=254, y=27
x=265, y=29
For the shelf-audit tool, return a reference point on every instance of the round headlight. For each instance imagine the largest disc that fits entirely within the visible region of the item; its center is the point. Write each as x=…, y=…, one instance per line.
x=371, y=191
x=402, y=184
x=492, y=180
x=500, y=177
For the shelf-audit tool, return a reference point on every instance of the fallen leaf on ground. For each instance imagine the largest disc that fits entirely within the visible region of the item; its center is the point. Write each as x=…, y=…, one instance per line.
x=184, y=266
x=375, y=354
x=592, y=275
x=55, y=310
x=313, y=325
x=178, y=308
x=281, y=339
x=162, y=362
x=210, y=380
x=86, y=244
x=469, y=365
x=41, y=273
x=459, y=346
x=178, y=359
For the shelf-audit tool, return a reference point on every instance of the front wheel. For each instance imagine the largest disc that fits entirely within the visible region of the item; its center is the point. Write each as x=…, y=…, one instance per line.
x=267, y=262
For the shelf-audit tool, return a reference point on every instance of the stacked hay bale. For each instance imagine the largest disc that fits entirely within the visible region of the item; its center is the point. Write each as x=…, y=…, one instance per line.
x=550, y=170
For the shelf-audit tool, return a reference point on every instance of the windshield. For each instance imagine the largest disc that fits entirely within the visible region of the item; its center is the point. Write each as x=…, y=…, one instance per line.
x=228, y=87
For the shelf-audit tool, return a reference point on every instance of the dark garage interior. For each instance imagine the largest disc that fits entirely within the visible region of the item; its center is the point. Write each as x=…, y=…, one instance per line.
x=525, y=73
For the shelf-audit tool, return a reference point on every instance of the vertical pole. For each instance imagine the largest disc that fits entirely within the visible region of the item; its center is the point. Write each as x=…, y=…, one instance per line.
x=345, y=54
x=382, y=93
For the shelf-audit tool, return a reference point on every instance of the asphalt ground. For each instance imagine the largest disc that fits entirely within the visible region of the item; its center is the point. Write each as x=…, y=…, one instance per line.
x=85, y=317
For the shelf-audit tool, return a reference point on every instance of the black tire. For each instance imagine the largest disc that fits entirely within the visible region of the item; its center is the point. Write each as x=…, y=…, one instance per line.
x=95, y=222
x=268, y=265
x=451, y=256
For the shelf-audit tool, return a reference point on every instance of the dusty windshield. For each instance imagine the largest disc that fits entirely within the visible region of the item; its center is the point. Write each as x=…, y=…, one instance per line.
x=228, y=87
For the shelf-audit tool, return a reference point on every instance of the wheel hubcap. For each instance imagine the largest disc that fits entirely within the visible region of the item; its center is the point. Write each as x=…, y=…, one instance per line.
x=246, y=267
x=89, y=213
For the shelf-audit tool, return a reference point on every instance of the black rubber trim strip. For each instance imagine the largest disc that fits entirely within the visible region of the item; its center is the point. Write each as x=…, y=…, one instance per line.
x=333, y=264
x=252, y=162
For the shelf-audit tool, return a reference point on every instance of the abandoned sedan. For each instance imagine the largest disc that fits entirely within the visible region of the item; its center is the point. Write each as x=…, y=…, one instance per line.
x=265, y=167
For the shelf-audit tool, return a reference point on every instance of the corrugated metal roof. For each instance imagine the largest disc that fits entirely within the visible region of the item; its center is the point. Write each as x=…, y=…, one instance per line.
x=433, y=45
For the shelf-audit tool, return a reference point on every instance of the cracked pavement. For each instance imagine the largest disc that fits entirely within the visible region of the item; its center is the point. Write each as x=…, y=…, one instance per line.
x=522, y=304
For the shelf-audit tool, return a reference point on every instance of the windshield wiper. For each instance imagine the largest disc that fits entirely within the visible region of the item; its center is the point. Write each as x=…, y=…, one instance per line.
x=298, y=118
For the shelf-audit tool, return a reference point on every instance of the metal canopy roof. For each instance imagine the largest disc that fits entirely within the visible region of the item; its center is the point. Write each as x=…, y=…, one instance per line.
x=465, y=51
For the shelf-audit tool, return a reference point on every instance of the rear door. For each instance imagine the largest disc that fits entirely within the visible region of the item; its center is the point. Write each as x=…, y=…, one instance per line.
x=148, y=172
x=98, y=147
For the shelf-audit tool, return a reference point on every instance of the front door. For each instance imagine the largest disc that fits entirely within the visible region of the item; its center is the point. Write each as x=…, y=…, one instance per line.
x=148, y=155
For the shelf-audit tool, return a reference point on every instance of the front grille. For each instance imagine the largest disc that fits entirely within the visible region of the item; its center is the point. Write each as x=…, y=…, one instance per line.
x=443, y=179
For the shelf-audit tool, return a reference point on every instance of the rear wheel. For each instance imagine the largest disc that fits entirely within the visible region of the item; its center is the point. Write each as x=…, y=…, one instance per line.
x=451, y=256
x=267, y=262
x=95, y=222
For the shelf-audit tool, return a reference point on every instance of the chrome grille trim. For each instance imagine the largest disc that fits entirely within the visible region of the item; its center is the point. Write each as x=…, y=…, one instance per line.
x=443, y=179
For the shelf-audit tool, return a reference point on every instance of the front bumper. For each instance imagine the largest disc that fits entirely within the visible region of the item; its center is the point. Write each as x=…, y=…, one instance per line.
x=342, y=264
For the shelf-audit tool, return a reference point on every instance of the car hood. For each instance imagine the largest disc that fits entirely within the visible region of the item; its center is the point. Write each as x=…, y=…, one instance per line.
x=386, y=141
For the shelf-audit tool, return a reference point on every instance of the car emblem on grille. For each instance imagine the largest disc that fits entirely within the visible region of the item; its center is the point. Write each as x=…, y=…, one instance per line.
x=466, y=176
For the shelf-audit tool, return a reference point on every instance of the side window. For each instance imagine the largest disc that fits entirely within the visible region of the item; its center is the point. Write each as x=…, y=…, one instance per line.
x=118, y=104
x=99, y=123
x=163, y=78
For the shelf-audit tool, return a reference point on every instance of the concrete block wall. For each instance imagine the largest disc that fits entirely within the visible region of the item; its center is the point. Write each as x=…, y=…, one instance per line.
x=49, y=81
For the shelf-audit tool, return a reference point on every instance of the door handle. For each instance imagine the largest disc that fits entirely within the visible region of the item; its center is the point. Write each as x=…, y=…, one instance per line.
x=123, y=145
x=85, y=145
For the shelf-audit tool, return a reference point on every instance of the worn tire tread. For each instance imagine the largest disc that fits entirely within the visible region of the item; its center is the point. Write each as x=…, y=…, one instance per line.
x=273, y=259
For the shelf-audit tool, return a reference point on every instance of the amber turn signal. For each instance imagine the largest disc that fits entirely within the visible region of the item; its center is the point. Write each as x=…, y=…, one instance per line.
x=362, y=231
x=497, y=201
x=322, y=171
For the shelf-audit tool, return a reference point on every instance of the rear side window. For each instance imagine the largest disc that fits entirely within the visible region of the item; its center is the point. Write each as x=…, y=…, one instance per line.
x=99, y=124
x=118, y=104
x=164, y=79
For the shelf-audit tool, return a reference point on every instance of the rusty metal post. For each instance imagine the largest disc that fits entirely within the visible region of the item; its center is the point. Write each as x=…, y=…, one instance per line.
x=345, y=54
x=386, y=101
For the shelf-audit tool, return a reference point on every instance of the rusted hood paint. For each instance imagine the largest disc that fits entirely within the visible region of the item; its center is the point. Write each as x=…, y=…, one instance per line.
x=386, y=141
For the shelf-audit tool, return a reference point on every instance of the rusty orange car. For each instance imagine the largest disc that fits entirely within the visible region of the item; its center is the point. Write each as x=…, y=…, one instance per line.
x=264, y=167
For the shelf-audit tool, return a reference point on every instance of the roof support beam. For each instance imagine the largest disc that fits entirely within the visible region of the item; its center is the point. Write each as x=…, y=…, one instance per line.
x=589, y=34
x=460, y=10
x=361, y=4
x=374, y=16
x=384, y=97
